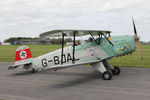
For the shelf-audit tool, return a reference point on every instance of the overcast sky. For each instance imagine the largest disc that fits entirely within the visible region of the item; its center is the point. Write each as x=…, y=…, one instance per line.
x=29, y=18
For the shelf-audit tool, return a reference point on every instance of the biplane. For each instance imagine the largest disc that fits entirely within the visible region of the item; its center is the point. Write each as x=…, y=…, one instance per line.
x=97, y=51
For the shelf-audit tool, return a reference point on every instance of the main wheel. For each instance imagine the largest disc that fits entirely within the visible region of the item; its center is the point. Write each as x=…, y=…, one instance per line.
x=107, y=75
x=116, y=70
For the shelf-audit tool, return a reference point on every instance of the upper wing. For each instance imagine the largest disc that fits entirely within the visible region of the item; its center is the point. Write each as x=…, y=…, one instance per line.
x=58, y=33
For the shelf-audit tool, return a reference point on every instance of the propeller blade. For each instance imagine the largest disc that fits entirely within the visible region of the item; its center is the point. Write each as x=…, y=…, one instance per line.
x=137, y=40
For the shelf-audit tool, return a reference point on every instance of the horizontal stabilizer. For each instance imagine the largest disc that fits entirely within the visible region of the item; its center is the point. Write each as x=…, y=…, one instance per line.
x=13, y=67
x=16, y=66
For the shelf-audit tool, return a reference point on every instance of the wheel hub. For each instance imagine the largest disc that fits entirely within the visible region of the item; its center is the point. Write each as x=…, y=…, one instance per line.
x=106, y=76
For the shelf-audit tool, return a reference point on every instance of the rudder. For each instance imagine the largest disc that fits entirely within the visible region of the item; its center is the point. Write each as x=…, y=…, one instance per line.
x=23, y=56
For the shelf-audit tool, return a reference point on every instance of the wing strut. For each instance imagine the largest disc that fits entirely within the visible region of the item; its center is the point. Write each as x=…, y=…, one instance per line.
x=74, y=40
x=95, y=39
x=62, y=50
x=108, y=40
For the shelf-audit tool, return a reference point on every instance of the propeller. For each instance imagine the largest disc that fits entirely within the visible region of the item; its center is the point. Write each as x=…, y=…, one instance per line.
x=137, y=40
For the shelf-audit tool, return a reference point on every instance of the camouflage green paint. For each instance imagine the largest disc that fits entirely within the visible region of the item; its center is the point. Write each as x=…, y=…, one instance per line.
x=122, y=45
x=107, y=47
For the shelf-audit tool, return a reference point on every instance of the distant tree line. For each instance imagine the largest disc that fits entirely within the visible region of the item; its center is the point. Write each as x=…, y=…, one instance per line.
x=144, y=43
x=13, y=39
x=41, y=40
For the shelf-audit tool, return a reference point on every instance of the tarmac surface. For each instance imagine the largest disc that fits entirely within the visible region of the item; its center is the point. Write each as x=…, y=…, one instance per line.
x=74, y=83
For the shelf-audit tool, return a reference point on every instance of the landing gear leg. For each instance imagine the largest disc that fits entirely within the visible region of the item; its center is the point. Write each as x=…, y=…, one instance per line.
x=106, y=74
x=115, y=70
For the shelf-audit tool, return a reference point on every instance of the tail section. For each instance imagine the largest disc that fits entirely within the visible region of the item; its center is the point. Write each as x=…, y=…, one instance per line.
x=23, y=57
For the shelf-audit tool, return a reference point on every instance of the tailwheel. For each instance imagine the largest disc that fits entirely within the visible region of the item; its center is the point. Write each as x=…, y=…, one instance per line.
x=33, y=70
x=116, y=70
x=107, y=75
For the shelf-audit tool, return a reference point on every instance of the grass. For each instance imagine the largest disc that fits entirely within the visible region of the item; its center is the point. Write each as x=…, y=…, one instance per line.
x=7, y=54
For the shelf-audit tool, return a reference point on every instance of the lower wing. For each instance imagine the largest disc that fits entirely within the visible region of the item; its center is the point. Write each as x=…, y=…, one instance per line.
x=74, y=64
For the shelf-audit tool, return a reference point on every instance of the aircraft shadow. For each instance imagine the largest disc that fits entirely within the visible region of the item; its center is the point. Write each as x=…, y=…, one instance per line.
x=29, y=72
x=84, y=78
x=22, y=73
x=78, y=78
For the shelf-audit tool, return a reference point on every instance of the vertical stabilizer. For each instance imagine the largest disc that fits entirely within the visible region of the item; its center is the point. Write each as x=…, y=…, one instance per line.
x=23, y=56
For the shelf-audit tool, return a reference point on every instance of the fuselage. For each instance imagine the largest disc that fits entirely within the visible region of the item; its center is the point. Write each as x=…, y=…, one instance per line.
x=89, y=51
x=123, y=45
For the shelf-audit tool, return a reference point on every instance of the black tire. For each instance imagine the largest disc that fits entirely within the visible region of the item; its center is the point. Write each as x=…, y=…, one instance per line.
x=116, y=70
x=107, y=75
x=33, y=70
